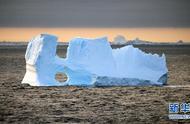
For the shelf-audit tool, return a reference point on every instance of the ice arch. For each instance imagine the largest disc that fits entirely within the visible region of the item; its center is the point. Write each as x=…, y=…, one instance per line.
x=91, y=62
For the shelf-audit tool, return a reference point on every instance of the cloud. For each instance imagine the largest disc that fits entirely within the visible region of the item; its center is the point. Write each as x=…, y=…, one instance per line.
x=97, y=13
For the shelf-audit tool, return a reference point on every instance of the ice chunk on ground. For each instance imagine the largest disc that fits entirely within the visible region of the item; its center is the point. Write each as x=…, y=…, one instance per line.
x=91, y=62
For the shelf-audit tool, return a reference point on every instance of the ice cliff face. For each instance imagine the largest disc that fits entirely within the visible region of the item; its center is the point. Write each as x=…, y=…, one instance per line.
x=92, y=55
x=91, y=62
x=41, y=61
x=133, y=63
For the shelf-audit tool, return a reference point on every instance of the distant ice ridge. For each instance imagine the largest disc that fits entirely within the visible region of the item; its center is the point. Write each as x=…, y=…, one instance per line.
x=119, y=40
x=91, y=62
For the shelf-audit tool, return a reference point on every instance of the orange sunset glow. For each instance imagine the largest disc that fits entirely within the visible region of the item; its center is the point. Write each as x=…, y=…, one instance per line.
x=66, y=34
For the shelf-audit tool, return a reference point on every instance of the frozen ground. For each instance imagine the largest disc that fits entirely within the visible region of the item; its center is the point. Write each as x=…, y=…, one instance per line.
x=26, y=104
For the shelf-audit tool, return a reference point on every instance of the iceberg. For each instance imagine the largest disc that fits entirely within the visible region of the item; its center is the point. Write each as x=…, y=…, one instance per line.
x=119, y=40
x=91, y=63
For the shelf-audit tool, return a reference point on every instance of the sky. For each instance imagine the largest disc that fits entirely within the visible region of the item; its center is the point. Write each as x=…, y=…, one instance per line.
x=93, y=14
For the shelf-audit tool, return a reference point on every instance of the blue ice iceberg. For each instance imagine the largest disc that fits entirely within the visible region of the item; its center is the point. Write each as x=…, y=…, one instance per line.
x=91, y=62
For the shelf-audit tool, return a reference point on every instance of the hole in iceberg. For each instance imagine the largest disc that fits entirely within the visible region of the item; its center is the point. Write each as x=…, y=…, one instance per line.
x=61, y=77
